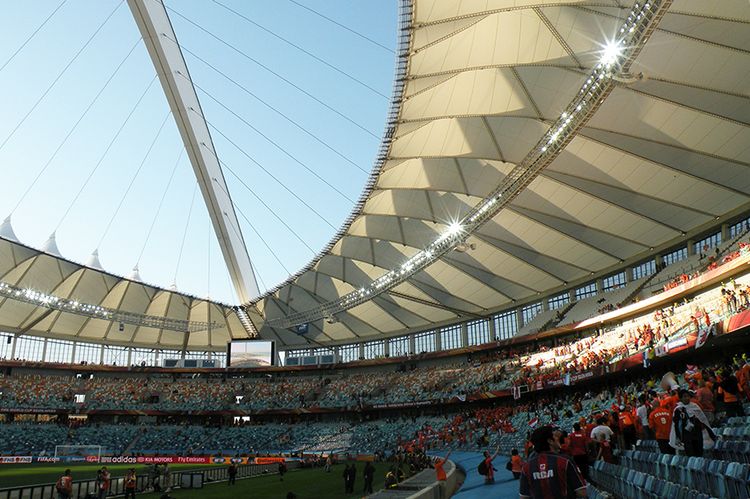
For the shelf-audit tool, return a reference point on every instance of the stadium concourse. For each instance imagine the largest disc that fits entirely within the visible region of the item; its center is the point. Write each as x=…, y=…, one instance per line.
x=542, y=290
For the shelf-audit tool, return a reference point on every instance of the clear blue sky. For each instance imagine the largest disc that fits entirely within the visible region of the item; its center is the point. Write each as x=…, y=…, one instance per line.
x=26, y=149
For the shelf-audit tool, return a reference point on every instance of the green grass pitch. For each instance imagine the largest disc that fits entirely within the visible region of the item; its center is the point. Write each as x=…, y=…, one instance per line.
x=312, y=483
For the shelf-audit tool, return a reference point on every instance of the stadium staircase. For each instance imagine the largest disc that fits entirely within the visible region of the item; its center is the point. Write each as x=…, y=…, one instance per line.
x=133, y=442
x=558, y=319
x=728, y=246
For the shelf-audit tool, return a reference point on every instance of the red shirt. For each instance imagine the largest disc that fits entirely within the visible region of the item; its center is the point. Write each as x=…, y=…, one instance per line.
x=490, y=469
x=439, y=471
x=705, y=399
x=660, y=421
x=548, y=475
x=577, y=445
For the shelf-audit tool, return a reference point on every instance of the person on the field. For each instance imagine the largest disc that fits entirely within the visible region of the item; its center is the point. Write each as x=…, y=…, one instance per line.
x=548, y=474
x=130, y=482
x=369, y=474
x=353, y=477
x=282, y=470
x=232, y=473
x=64, y=485
x=103, y=482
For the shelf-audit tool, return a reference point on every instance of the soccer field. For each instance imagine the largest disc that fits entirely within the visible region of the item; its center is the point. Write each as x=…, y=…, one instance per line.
x=306, y=484
x=13, y=475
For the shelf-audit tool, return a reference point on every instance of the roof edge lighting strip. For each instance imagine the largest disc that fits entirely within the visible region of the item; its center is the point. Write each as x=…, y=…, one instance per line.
x=617, y=57
x=71, y=306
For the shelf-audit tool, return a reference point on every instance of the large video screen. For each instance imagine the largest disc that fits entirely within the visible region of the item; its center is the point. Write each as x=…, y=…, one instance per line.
x=250, y=353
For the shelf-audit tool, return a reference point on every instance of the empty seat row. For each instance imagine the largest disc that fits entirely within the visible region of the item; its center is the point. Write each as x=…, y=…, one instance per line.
x=710, y=476
x=623, y=482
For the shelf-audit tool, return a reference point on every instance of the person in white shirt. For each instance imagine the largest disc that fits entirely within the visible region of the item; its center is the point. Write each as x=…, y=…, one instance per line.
x=601, y=429
x=641, y=412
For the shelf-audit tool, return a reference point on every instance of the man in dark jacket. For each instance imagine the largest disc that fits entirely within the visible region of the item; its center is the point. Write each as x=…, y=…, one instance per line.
x=369, y=474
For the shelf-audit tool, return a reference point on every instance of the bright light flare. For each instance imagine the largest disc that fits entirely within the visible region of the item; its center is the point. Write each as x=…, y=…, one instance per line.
x=612, y=51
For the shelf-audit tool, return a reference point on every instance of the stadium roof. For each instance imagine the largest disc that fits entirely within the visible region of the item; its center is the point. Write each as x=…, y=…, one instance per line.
x=45, y=295
x=479, y=84
x=666, y=154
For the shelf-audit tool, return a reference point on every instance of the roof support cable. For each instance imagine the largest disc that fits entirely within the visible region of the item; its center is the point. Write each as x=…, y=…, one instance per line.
x=184, y=234
x=104, y=154
x=74, y=127
x=59, y=75
x=133, y=179
x=270, y=210
x=161, y=203
x=282, y=184
x=275, y=144
x=343, y=26
x=257, y=233
x=279, y=76
x=32, y=35
x=274, y=109
x=303, y=50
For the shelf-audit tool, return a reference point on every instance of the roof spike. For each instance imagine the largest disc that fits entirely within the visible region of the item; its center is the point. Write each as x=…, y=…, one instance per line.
x=93, y=261
x=50, y=246
x=6, y=230
x=135, y=274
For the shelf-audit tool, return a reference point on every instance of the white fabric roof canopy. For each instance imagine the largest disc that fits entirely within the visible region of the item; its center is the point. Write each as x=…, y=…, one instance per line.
x=664, y=156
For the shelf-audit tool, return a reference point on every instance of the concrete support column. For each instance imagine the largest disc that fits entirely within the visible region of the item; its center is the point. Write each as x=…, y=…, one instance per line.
x=464, y=335
x=725, y=233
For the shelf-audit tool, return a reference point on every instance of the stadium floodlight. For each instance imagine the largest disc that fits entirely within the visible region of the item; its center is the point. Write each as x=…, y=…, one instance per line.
x=40, y=299
x=619, y=55
x=611, y=53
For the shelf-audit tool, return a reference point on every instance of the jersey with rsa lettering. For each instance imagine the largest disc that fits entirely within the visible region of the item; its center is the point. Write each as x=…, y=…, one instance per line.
x=549, y=475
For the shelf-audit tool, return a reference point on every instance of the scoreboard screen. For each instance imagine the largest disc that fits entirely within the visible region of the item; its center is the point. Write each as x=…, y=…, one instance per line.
x=250, y=353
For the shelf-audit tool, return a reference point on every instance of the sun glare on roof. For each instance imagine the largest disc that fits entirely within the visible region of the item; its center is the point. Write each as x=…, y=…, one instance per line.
x=612, y=51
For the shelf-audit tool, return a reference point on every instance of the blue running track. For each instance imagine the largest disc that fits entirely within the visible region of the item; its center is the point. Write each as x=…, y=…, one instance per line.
x=474, y=487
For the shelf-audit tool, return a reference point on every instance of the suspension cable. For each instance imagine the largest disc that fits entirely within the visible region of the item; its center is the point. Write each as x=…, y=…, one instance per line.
x=302, y=49
x=275, y=144
x=75, y=126
x=257, y=233
x=270, y=210
x=282, y=184
x=161, y=202
x=32, y=35
x=184, y=233
x=268, y=69
x=132, y=180
x=274, y=109
x=104, y=154
x=347, y=28
x=54, y=82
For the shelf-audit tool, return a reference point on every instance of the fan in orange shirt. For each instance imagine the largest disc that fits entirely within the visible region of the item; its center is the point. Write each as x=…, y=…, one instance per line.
x=660, y=421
